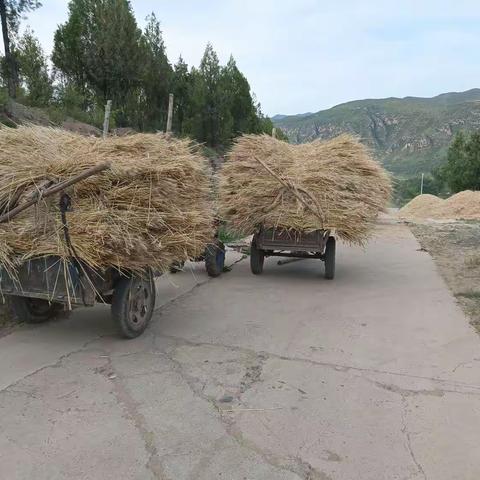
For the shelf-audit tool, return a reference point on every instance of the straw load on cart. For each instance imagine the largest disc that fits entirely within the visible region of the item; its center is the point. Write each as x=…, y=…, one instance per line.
x=147, y=205
x=332, y=185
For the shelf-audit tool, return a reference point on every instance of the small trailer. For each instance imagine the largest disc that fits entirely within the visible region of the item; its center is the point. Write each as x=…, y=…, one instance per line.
x=42, y=287
x=281, y=242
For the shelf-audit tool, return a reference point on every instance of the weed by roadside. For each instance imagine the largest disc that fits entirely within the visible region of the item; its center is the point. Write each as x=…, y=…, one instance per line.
x=473, y=295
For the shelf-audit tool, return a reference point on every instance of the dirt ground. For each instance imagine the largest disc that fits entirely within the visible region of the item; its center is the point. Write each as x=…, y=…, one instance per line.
x=455, y=247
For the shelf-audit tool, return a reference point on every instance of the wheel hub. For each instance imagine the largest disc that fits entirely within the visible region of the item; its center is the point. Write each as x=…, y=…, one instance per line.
x=139, y=304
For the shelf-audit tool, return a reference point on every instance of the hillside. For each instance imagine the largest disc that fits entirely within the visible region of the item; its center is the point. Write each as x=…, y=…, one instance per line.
x=408, y=135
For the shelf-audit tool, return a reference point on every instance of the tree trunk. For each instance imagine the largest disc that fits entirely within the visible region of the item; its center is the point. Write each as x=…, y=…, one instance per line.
x=9, y=59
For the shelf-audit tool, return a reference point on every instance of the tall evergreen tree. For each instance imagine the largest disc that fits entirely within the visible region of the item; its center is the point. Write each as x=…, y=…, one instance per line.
x=181, y=89
x=10, y=14
x=210, y=114
x=33, y=70
x=237, y=96
x=99, y=48
x=156, y=76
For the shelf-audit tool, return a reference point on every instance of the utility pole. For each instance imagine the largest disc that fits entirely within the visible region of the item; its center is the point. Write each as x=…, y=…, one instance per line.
x=106, y=121
x=421, y=184
x=170, y=113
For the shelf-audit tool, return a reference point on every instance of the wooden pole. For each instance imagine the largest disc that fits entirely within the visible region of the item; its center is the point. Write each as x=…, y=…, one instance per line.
x=421, y=184
x=274, y=132
x=106, y=121
x=42, y=193
x=170, y=113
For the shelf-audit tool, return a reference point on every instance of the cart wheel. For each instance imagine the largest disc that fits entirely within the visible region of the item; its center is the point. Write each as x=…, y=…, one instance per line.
x=330, y=258
x=176, y=267
x=132, y=304
x=34, y=310
x=215, y=258
x=257, y=258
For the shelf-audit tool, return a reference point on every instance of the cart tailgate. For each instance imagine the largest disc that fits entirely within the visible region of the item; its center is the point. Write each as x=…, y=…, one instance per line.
x=281, y=239
x=48, y=278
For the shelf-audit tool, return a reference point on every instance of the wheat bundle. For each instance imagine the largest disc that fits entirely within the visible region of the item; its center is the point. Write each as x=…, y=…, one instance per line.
x=151, y=208
x=332, y=185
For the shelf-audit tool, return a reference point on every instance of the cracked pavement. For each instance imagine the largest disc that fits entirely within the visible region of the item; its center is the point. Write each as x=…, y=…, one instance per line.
x=282, y=376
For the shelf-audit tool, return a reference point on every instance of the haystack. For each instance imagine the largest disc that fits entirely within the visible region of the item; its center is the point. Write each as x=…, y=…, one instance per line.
x=151, y=208
x=333, y=185
x=461, y=206
x=422, y=206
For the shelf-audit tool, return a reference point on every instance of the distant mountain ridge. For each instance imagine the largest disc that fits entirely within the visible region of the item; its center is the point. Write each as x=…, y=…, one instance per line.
x=409, y=135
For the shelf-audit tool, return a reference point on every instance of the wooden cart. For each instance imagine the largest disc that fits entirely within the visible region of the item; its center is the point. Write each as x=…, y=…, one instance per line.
x=41, y=287
x=278, y=242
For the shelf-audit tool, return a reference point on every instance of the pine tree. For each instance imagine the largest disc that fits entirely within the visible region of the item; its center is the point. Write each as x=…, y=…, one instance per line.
x=99, y=48
x=211, y=101
x=156, y=76
x=33, y=70
x=181, y=88
x=236, y=90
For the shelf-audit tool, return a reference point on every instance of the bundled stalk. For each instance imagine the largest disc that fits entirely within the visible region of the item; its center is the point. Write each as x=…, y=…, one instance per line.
x=151, y=208
x=332, y=185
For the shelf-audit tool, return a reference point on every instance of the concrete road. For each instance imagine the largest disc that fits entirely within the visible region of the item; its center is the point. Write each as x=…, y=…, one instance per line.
x=375, y=375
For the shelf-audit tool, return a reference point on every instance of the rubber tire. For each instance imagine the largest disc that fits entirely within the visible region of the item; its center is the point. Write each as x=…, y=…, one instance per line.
x=257, y=258
x=121, y=305
x=23, y=310
x=329, y=259
x=215, y=259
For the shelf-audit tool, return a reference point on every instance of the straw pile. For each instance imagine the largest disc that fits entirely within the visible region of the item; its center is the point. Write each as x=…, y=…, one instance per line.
x=150, y=209
x=333, y=185
x=421, y=206
x=461, y=206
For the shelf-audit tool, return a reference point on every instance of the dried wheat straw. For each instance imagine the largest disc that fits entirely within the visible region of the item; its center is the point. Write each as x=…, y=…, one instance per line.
x=151, y=208
x=334, y=185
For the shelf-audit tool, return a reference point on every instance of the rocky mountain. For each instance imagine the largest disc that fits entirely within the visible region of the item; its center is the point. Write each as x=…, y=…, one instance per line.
x=409, y=135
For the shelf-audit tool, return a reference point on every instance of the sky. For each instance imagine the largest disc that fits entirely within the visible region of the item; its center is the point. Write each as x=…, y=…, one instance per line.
x=309, y=55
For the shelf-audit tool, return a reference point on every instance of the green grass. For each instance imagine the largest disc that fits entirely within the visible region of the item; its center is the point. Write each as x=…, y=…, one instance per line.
x=472, y=261
x=471, y=295
x=227, y=236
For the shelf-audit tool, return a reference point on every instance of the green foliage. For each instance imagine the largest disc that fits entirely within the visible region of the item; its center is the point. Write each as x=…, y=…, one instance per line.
x=16, y=8
x=99, y=49
x=209, y=118
x=214, y=102
x=100, y=54
x=3, y=97
x=181, y=87
x=407, y=188
x=155, y=80
x=227, y=236
x=69, y=103
x=462, y=170
x=409, y=135
x=11, y=12
x=238, y=99
x=33, y=71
